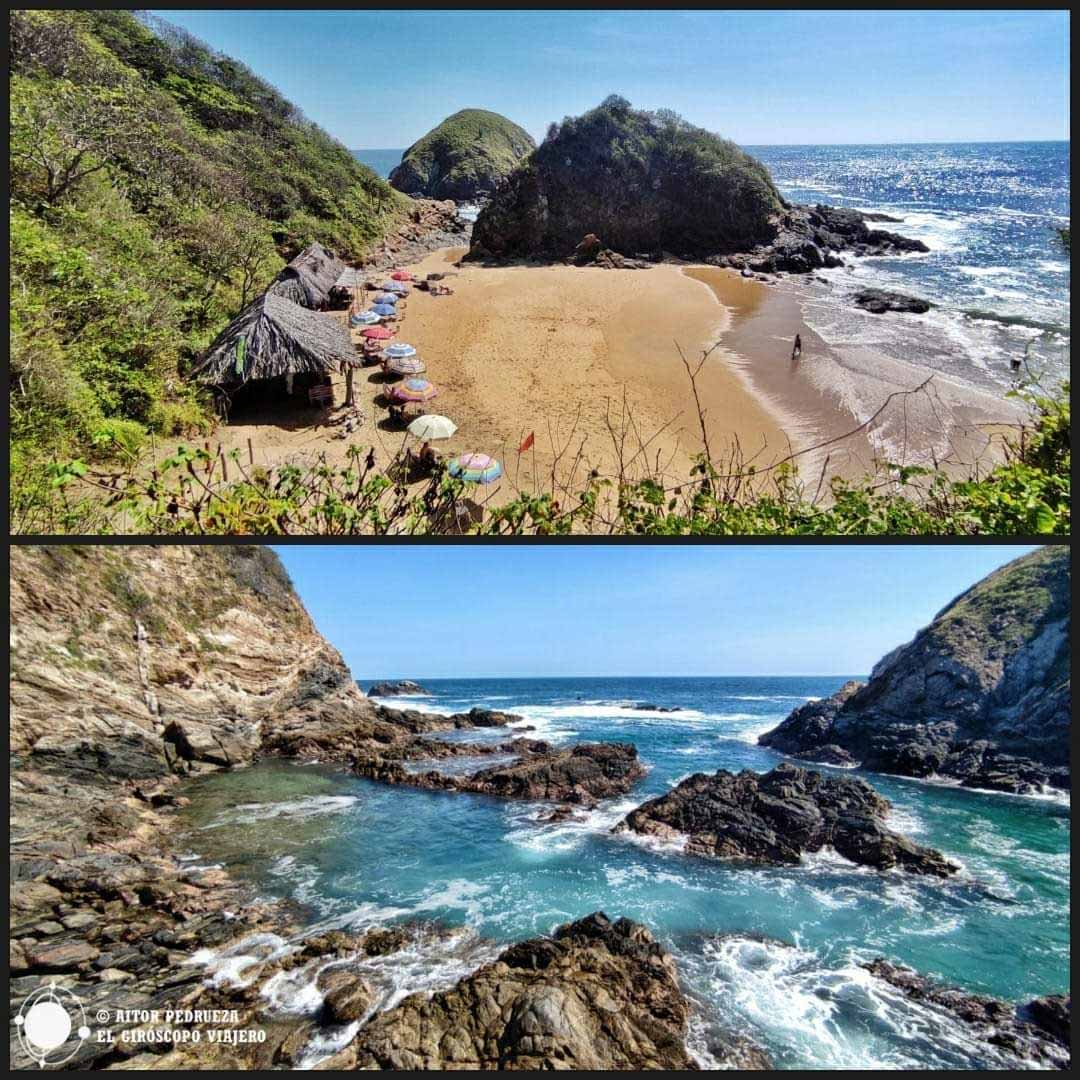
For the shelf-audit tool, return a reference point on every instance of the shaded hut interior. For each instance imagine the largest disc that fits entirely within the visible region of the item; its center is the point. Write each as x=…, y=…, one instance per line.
x=272, y=347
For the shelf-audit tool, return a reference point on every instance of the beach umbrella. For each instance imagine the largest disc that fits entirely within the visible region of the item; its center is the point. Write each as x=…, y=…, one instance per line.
x=398, y=350
x=387, y=298
x=476, y=468
x=395, y=287
x=377, y=333
x=364, y=318
x=406, y=365
x=384, y=309
x=432, y=427
x=413, y=390
x=401, y=275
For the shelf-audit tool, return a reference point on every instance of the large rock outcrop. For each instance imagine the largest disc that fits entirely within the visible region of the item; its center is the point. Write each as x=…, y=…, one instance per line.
x=580, y=774
x=641, y=182
x=775, y=817
x=618, y=180
x=597, y=994
x=983, y=694
x=466, y=157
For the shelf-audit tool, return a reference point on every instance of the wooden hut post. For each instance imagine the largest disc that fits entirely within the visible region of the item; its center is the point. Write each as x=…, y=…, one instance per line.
x=350, y=399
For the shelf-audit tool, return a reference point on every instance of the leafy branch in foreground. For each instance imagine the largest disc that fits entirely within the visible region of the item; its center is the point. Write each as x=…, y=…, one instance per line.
x=192, y=492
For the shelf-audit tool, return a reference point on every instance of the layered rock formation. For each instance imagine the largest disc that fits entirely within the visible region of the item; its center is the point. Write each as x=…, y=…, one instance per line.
x=982, y=695
x=597, y=994
x=1038, y=1032
x=776, y=817
x=618, y=180
x=464, y=158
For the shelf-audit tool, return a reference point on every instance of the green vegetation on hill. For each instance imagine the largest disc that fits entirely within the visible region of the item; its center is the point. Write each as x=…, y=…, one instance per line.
x=156, y=187
x=641, y=181
x=469, y=152
x=1009, y=606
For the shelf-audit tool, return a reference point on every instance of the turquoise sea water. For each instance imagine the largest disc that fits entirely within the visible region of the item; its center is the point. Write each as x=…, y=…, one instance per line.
x=767, y=951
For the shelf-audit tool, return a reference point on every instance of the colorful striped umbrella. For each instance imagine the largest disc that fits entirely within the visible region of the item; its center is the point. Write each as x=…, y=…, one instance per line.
x=432, y=426
x=399, y=349
x=406, y=365
x=401, y=275
x=377, y=333
x=476, y=468
x=414, y=390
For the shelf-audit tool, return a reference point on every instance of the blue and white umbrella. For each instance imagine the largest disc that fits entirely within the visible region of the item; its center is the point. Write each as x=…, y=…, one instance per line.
x=387, y=298
x=398, y=350
x=394, y=287
x=364, y=318
x=384, y=309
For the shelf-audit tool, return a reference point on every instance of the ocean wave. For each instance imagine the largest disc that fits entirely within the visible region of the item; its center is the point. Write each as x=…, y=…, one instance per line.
x=312, y=806
x=834, y=1016
x=528, y=830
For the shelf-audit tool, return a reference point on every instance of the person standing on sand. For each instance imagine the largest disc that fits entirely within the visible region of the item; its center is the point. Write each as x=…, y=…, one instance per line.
x=796, y=349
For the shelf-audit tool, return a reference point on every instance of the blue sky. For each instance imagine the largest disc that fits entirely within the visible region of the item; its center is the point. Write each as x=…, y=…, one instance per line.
x=382, y=80
x=500, y=611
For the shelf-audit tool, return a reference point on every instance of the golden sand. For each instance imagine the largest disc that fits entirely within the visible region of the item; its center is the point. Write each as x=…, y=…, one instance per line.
x=589, y=360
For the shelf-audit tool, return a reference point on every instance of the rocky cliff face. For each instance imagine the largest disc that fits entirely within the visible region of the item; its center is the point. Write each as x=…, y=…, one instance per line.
x=983, y=694
x=467, y=156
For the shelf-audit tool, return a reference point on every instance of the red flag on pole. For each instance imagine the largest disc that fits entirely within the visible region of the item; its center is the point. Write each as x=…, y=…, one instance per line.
x=529, y=440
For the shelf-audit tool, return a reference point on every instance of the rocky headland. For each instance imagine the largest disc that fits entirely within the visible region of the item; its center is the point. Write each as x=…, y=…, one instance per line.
x=981, y=696
x=619, y=187
x=776, y=817
x=464, y=158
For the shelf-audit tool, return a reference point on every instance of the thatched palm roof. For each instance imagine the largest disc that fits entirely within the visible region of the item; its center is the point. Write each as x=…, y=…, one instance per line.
x=279, y=337
x=308, y=279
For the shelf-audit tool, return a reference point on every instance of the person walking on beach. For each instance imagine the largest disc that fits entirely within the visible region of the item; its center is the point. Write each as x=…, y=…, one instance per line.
x=796, y=349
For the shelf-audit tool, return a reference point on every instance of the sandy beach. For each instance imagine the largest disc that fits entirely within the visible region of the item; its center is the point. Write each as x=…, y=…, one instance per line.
x=588, y=359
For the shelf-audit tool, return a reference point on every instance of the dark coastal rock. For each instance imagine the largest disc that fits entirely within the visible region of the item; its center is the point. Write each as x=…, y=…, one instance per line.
x=1036, y=1033
x=591, y=252
x=580, y=774
x=596, y=995
x=775, y=817
x=982, y=695
x=642, y=182
x=878, y=301
x=648, y=706
x=390, y=689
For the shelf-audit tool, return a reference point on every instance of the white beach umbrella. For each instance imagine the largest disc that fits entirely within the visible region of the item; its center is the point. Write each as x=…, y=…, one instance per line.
x=432, y=427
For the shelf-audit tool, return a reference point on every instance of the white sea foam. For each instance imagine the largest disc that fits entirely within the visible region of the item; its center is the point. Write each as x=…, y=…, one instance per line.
x=835, y=1015
x=227, y=967
x=529, y=831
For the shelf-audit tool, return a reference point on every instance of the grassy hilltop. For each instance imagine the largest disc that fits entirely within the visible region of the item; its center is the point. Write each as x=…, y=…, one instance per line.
x=469, y=152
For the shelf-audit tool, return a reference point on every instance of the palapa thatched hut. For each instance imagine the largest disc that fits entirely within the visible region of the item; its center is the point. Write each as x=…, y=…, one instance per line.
x=275, y=348
x=308, y=279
